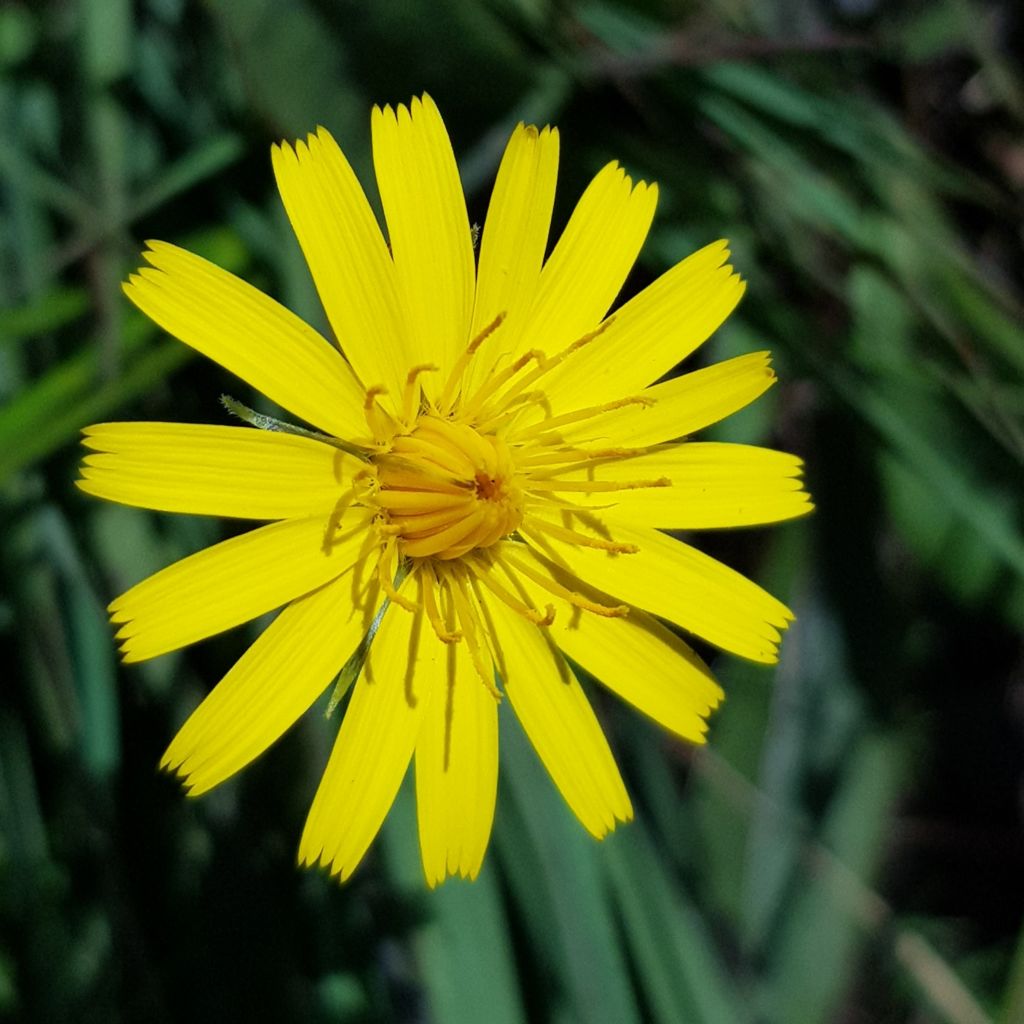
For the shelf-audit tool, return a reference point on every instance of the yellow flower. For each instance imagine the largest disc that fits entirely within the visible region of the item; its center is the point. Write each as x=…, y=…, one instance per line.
x=480, y=503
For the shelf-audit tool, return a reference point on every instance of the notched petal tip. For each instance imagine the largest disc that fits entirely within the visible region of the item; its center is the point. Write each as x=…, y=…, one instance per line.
x=426, y=102
x=176, y=768
x=91, y=482
x=179, y=773
x=311, y=852
x=341, y=871
x=281, y=156
x=385, y=119
x=130, y=657
x=159, y=250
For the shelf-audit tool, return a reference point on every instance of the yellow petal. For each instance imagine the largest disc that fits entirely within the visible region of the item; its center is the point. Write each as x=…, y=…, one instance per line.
x=643, y=663
x=590, y=262
x=712, y=485
x=651, y=333
x=214, y=470
x=249, y=334
x=429, y=231
x=272, y=684
x=514, y=240
x=681, y=406
x=347, y=257
x=456, y=770
x=669, y=578
x=559, y=721
x=636, y=657
x=234, y=581
x=375, y=743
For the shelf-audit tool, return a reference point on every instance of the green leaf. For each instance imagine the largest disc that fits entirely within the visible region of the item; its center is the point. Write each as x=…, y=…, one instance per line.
x=50, y=412
x=555, y=872
x=827, y=913
x=463, y=947
x=682, y=974
x=89, y=646
x=53, y=309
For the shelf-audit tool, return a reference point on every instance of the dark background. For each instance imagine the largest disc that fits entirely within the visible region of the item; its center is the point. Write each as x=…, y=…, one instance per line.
x=849, y=847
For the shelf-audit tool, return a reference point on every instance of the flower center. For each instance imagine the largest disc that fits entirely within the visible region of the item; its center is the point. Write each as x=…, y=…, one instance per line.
x=447, y=489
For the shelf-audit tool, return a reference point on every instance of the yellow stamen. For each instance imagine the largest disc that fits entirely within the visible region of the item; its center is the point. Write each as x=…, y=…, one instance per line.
x=588, y=486
x=544, y=426
x=608, y=611
x=410, y=396
x=531, y=614
x=564, y=455
x=579, y=539
x=431, y=584
x=547, y=365
x=473, y=405
x=385, y=576
x=515, y=409
x=380, y=423
x=470, y=624
x=455, y=378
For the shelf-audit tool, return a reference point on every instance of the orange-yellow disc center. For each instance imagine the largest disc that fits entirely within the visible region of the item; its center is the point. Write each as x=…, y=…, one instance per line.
x=447, y=489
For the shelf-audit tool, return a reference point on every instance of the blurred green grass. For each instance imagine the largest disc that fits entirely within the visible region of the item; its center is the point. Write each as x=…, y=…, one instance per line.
x=849, y=847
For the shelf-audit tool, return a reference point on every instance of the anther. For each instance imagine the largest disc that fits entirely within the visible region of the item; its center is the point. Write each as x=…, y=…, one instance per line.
x=572, y=454
x=430, y=585
x=376, y=418
x=544, y=426
x=545, y=365
x=467, y=617
x=608, y=611
x=498, y=380
x=519, y=607
x=579, y=539
x=372, y=394
x=410, y=394
x=385, y=574
x=512, y=410
x=592, y=486
x=444, y=402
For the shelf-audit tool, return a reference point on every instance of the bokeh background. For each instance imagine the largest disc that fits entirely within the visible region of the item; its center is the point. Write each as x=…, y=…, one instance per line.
x=849, y=847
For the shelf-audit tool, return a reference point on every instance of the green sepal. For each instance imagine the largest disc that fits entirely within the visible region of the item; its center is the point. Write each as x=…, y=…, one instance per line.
x=350, y=670
x=264, y=422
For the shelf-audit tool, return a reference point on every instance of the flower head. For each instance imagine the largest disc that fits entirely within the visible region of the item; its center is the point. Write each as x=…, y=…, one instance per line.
x=478, y=502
